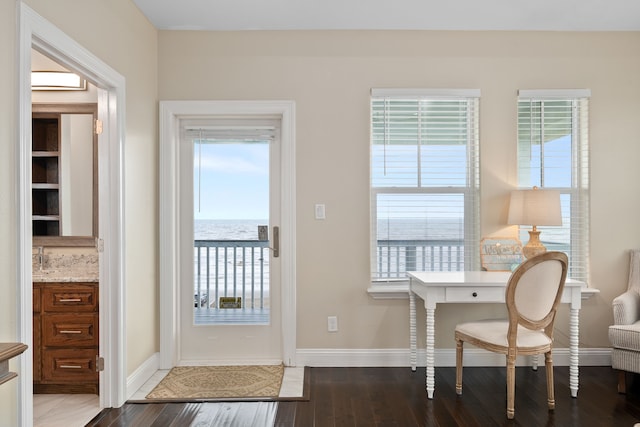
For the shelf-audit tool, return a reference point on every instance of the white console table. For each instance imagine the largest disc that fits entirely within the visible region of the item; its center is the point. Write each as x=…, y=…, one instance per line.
x=477, y=287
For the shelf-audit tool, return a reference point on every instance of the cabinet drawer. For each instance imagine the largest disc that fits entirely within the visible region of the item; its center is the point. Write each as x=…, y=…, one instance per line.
x=69, y=365
x=70, y=298
x=471, y=294
x=64, y=330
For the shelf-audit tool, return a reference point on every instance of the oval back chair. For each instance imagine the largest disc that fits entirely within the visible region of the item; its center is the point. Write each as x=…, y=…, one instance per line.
x=532, y=297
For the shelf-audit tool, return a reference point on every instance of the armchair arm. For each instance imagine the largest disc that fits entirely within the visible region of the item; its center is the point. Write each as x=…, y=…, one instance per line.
x=626, y=308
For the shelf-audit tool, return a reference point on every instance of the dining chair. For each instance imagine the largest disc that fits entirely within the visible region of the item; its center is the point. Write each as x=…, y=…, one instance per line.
x=532, y=296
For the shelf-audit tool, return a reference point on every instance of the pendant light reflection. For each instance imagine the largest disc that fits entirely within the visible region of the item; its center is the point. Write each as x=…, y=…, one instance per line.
x=57, y=80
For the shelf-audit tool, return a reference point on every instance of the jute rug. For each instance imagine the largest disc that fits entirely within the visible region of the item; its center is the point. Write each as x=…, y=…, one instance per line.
x=215, y=382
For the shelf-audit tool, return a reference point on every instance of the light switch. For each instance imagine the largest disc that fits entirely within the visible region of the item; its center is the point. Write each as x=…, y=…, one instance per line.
x=320, y=213
x=332, y=323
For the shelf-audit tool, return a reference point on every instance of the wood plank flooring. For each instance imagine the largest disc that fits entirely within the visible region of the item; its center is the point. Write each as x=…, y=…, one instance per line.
x=397, y=397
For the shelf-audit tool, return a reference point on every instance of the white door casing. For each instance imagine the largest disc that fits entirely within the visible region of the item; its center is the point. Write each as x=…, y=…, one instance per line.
x=38, y=33
x=170, y=253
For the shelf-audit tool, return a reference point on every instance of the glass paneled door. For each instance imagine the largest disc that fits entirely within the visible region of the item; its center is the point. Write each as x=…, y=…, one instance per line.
x=230, y=270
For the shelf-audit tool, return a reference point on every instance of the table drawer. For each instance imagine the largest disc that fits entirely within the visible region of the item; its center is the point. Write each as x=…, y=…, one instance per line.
x=474, y=294
x=71, y=298
x=69, y=365
x=70, y=330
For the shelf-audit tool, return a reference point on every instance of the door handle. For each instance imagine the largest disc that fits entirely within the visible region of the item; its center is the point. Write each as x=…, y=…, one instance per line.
x=276, y=241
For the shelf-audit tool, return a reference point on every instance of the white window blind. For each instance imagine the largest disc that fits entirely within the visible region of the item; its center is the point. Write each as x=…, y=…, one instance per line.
x=424, y=182
x=553, y=153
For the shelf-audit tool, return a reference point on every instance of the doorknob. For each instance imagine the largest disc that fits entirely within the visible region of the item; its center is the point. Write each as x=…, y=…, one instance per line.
x=263, y=234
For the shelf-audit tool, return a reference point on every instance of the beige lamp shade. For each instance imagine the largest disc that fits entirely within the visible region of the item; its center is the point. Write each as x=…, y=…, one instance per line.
x=534, y=207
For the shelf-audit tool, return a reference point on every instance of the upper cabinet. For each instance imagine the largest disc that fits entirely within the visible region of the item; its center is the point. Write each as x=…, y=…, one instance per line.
x=64, y=174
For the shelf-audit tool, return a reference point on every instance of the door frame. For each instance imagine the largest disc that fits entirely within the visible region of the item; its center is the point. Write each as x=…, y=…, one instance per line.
x=170, y=114
x=35, y=31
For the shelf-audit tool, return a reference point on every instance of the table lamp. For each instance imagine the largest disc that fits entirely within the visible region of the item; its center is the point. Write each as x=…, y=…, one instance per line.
x=534, y=207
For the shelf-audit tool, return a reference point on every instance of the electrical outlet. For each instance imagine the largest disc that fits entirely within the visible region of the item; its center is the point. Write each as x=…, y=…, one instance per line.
x=332, y=324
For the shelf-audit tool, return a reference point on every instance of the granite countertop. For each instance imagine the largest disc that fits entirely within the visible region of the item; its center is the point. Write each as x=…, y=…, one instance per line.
x=63, y=276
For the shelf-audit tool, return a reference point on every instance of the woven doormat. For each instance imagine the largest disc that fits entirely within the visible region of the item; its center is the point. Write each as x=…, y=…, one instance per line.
x=219, y=382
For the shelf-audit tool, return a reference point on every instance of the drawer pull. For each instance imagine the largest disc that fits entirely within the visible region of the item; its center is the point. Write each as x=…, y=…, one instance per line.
x=70, y=367
x=475, y=294
x=70, y=332
x=70, y=300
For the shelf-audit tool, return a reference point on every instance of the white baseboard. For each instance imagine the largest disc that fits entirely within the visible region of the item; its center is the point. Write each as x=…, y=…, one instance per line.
x=320, y=357
x=323, y=357
x=141, y=375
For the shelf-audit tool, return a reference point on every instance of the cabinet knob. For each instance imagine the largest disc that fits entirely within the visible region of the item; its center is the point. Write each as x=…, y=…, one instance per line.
x=475, y=294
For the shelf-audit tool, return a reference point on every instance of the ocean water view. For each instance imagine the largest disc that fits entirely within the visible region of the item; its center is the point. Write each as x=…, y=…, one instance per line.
x=388, y=229
x=227, y=229
x=421, y=229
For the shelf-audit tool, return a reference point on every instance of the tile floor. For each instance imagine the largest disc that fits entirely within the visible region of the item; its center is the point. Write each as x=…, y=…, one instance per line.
x=64, y=410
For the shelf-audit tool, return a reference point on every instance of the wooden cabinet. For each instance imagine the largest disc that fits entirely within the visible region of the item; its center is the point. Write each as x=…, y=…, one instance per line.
x=65, y=337
x=45, y=173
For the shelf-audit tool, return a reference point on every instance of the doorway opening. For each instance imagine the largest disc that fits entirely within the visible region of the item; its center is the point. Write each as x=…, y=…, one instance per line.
x=37, y=33
x=178, y=190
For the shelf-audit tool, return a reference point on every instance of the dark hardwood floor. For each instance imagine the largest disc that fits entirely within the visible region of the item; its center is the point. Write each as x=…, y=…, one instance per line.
x=397, y=397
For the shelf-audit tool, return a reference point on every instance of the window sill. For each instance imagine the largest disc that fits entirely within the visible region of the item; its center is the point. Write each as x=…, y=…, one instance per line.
x=399, y=290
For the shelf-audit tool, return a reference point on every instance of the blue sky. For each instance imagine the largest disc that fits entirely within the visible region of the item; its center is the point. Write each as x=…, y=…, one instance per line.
x=234, y=177
x=234, y=181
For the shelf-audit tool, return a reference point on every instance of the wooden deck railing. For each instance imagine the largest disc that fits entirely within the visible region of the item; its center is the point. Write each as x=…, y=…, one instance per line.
x=239, y=268
x=231, y=268
x=395, y=257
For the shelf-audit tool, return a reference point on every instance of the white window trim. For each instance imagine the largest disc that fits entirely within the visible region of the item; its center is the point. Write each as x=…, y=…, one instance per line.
x=554, y=93
x=402, y=93
x=399, y=289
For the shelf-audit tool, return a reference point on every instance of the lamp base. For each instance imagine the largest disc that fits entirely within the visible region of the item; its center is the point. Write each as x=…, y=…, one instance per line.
x=534, y=246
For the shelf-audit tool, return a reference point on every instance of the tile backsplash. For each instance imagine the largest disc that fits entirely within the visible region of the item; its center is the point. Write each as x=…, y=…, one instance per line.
x=64, y=264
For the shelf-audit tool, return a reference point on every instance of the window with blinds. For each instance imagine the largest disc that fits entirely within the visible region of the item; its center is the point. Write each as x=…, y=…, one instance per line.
x=424, y=182
x=553, y=153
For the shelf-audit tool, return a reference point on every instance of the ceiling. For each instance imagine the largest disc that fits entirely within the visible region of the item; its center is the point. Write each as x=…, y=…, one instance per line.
x=534, y=15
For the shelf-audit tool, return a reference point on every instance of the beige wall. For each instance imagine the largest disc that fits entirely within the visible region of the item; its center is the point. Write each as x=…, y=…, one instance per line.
x=329, y=76
x=122, y=38
x=8, y=134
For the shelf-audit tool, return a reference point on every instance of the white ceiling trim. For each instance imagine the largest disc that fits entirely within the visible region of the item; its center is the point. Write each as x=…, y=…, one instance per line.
x=480, y=15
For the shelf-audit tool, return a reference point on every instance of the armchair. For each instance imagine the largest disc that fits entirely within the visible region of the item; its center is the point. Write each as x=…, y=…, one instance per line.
x=624, y=334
